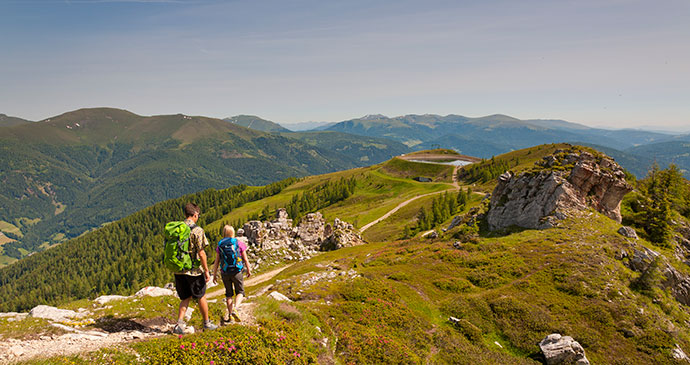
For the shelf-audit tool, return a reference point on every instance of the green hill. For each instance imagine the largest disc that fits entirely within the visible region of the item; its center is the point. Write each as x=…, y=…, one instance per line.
x=7, y=121
x=74, y=172
x=390, y=301
x=254, y=122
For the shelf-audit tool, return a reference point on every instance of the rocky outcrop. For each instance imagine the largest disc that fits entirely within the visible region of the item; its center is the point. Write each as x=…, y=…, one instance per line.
x=311, y=235
x=561, y=182
x=629, y=232
x=643, y=259
x=559, y=349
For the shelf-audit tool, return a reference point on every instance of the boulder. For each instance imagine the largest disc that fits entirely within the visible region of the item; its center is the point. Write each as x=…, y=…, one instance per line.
x=153, y=291
x=559, y=349
x=564, y=181
x=279, y=297
x=679, y=354
x=629, y=232
x=108, y=298
x=54, y=314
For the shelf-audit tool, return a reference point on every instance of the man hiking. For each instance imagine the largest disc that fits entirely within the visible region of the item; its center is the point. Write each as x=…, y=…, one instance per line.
x=232, y=259
x=192, y=283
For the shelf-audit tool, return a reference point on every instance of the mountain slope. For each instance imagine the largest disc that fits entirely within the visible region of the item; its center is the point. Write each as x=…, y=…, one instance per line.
x=76, y=171
x=468, y=296
x=254, y=122
x=7, y=121
x=501, y=130
x=665, y=153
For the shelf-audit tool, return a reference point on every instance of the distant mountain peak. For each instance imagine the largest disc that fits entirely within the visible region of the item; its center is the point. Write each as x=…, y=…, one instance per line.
x=373, y=116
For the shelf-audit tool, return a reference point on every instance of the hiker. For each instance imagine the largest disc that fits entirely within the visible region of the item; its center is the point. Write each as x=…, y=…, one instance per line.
x=232, y=255
x=192, y=283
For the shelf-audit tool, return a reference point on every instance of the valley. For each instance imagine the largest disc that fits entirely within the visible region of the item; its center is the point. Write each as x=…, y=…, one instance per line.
x=465, y=295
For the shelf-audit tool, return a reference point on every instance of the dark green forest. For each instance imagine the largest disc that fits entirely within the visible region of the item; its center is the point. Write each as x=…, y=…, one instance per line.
x=118, y=258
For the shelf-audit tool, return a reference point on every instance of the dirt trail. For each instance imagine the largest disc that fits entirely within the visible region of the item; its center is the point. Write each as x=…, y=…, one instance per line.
x=456, y=186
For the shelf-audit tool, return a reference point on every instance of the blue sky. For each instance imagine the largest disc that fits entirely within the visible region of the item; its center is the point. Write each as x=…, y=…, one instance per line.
x=613, y=63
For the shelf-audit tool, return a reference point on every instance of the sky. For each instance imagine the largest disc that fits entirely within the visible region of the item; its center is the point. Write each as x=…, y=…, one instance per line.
x=602, y=63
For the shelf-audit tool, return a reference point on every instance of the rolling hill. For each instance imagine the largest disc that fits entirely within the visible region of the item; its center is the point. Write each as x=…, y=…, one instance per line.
x=7, y=121
x=254, y=122
x=71, y=173
x=468, y=296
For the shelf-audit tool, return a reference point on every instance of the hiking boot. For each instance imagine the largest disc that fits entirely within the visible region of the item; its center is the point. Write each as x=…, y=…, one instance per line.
x=179, y=329
x=209, y=326
x=236, y=316
x=225, y=320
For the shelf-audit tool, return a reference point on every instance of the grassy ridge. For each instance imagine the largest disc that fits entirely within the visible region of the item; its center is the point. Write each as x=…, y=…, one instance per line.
x=390, y=301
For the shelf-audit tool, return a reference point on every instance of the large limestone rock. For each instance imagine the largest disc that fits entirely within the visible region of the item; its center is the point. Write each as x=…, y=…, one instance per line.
x=559, y=349
x=311, y=235
x=567, y=180
x=341, y=234
x=54, y=314
x=153, y=291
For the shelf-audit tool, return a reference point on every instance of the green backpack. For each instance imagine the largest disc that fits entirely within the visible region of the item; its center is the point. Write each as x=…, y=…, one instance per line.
x=177, y=247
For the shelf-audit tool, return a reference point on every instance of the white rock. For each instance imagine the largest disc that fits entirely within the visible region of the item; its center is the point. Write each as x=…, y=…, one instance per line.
x=279, y=297
x=559, y=349
x=16, y=351
x=189, y=330
x=498, y=344
x=53, y=314
x=679, y=354
x=153, y=291
x=63, y=327
x=108, y=298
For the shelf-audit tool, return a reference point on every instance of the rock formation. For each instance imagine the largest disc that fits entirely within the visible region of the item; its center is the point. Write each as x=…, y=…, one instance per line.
x=642, y=260
x=559, y=349
x=311, y=235
x=563, y=181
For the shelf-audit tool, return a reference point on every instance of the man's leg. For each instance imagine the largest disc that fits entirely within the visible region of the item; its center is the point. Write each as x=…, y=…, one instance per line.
x=184, y=303
x=203, y=307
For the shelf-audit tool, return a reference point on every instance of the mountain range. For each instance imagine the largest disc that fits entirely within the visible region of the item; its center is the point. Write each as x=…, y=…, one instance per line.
x=636, y=150
x=70, y=173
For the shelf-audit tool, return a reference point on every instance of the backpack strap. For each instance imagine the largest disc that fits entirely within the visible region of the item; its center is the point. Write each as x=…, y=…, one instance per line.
x=193, y=247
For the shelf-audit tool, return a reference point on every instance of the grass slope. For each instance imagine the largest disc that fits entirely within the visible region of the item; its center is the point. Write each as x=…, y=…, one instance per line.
x=390, y=301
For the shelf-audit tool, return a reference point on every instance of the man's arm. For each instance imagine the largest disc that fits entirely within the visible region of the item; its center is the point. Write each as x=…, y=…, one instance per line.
x=202, y=257
x=215, y=270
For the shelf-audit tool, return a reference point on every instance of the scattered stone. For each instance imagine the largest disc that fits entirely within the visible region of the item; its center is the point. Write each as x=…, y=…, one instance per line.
x=498, y=344
x=457, y=245
x=53, y=314
x=679, y=354
x=169, y=286
x=454, y=320
x=629, y=232
x=153, y=291
x=63, y=327
x=569, y=180
x=279, y=297
x=559, y=349
x=108, y=298
x=16, y=351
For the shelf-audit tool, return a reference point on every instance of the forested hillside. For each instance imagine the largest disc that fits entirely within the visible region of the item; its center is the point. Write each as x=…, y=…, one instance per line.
x=74, y=172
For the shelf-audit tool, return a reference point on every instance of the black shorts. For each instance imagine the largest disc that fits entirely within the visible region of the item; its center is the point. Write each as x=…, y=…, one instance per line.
x=190, y=286
x=233, y=281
